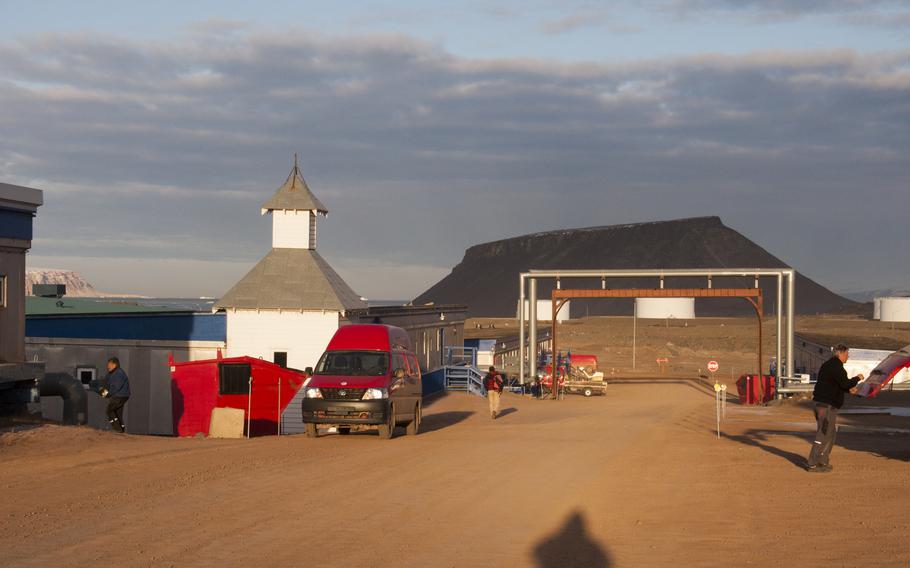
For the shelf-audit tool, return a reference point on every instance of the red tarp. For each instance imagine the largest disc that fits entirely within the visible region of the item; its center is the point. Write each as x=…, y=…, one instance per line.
x=884, y=372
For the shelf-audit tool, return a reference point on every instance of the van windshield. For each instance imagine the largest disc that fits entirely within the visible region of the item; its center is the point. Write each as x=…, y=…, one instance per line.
x=353, y=363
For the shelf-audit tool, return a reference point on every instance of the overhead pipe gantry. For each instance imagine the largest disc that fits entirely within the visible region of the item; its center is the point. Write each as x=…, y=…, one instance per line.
x=785, y=278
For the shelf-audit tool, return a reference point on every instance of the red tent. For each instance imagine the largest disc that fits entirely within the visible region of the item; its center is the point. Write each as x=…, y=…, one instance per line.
x=198, y=387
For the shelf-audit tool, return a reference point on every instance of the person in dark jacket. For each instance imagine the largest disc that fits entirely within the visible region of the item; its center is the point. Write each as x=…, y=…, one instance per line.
x=829, y=398
x=118, y=391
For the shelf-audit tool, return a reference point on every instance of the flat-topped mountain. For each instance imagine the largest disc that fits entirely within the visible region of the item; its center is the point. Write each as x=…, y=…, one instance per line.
x=487, y=277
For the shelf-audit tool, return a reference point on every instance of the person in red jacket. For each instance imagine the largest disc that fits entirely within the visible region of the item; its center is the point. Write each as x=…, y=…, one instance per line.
x=493, y=383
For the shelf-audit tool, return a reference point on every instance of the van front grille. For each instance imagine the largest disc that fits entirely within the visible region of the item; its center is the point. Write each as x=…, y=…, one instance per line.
x=342, y=394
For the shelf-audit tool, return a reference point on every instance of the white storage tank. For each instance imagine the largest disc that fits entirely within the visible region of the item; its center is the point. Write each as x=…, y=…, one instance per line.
x=545, y=310
x=895, y=309
x=662, y=308
x=877, y=309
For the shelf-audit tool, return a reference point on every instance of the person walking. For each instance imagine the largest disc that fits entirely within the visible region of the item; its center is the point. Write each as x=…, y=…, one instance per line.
x=118, y=391
x=829, y=398
x=493, y=383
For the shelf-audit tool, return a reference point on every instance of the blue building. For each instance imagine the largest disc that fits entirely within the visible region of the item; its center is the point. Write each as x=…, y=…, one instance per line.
x=18, y=206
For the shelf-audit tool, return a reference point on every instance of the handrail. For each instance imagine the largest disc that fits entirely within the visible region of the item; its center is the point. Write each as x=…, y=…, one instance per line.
x=464, y=378
x=461, y=356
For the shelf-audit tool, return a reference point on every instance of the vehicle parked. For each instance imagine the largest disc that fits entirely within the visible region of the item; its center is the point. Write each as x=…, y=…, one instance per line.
x=368, y=378
x=579, y=375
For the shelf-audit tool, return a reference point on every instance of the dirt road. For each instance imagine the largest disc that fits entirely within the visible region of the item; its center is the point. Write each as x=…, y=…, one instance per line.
x=637, y=478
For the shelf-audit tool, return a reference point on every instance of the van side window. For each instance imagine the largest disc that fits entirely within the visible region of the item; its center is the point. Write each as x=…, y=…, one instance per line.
x=414, y=367
x=398, y=362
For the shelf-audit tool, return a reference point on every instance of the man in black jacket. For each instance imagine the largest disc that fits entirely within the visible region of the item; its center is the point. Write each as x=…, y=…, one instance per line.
x=829, y=397
x=118, y=390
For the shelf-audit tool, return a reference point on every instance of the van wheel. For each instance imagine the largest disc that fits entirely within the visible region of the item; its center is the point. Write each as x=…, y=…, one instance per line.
x=414, y=426
x=310, y=429
x=589, y=392
x=387, y=430
x=344, y=431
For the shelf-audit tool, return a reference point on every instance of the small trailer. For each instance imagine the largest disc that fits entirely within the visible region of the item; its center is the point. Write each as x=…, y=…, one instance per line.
x=586, y=388
x=580, y=376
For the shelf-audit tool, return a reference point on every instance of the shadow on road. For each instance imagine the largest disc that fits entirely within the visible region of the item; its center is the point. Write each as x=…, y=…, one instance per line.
x=570, y=546
x=890, y=446
x=440, y=420
x=758, y=439
x=506, y=412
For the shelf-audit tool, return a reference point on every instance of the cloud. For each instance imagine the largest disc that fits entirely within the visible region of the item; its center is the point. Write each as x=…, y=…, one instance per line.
x=587, y=18
x=164, y=150
x=876, y=13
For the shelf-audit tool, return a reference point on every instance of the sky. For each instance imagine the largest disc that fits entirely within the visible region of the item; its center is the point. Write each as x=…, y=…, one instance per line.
x=158, y=129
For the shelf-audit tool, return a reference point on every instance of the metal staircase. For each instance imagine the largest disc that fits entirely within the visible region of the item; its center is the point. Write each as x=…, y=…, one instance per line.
x=464, y=378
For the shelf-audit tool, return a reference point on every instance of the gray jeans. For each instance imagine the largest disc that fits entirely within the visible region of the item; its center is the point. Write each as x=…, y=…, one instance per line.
x=826, y=417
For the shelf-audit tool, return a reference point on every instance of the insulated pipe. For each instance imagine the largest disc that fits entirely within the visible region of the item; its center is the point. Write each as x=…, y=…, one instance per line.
x=780, y=328
x=791, y=302
x=521, y=328
x=532, y=329
x=789, y=273
x=75, y=399
x=648, y=272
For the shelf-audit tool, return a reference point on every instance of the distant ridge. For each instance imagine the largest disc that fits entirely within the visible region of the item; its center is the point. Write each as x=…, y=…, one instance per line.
x=487, y=277
x=76, y=285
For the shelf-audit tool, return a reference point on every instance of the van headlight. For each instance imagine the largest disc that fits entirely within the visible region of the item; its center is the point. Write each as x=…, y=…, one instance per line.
x=375, y=394
x=312, y=392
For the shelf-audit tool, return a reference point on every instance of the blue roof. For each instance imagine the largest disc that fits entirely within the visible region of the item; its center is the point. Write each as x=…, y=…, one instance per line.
x=174, y=326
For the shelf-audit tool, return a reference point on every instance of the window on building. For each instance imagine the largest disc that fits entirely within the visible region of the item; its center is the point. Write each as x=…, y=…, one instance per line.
x=2, y=290
x=280, y=358
x=234, y=378
x=86, y=375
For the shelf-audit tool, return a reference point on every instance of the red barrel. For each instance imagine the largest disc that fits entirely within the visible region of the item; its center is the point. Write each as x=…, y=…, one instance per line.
x=750, y=389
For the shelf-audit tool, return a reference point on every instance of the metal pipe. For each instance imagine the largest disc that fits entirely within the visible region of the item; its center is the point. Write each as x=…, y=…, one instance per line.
x=249, y=407
x=791, y=302
x=554, y=374
x=610, y=273
x=780, y=328
x=634, y=329
x=532, y=328
x=521, y=328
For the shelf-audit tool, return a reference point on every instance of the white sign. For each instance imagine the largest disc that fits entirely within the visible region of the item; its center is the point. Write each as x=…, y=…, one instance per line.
x=713, y=366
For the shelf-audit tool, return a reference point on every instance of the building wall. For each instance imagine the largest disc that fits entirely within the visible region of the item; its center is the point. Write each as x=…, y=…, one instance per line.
x=145, y=362
x=12, y=315
x=431, y=329
x=291, y=229
x=302, y=335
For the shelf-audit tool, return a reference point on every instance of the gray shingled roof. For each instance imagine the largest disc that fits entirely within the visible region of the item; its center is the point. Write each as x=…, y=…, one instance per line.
x=291, y=279
x=294, y=195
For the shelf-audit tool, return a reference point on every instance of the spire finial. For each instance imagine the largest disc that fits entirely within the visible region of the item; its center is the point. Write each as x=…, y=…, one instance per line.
x=296, y=167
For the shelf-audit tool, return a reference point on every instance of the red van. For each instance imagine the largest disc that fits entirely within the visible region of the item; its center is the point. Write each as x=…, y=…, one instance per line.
x=368, y=378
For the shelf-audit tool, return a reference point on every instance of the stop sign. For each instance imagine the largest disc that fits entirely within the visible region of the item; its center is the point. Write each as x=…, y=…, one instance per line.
x=713, y=366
